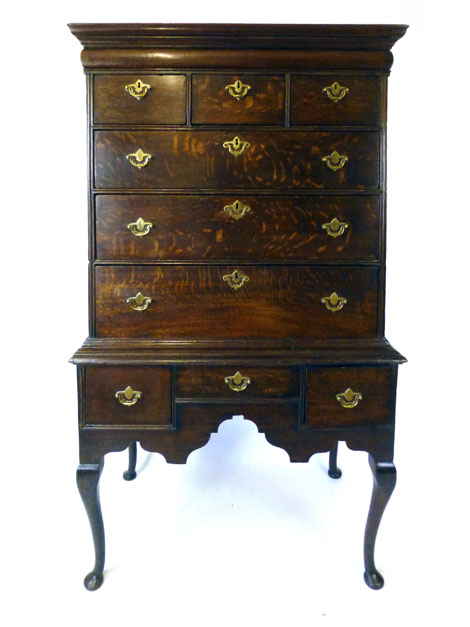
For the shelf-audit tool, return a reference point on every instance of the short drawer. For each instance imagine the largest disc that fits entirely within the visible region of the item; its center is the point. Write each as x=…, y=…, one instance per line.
x=139, y=99
x=238, y=99
x=237, y=382
x=343, y=396
x=229, y=302
x=234, y=159
x=335, y=99
x=128, y=395
x=243, y=227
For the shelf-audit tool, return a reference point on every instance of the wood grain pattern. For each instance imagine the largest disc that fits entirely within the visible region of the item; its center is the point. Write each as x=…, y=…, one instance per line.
x=195, y=302
x=165, y=102
x=198, y=160
x=190, y=227
x=309, y=105
x=102, y=408
x=376, y=385
x=209, y=382
x=213, y=104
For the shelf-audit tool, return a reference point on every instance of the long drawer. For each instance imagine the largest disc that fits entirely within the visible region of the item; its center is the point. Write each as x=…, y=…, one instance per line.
x=201, y=159
x=186, y=227
x=219, y=301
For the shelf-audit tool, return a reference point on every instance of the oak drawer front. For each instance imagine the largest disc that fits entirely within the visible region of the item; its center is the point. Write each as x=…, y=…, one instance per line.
x=196, y=301
x=324, y=100
x=194, y=159
x=238, y=99
x=157, y=99
x=338, y=397
x=243, y=227
x=237, y=382
x=128, y=395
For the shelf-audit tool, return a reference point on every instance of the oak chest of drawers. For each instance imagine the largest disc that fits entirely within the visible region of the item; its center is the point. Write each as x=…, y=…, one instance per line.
x=237, y=246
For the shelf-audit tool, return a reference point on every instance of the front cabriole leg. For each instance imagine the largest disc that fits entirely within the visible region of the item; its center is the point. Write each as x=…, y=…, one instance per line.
x=385, y=478
x=88, y=478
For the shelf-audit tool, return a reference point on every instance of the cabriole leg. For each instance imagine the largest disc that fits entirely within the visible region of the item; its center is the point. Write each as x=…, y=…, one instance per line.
x=130, y=473
x=385, y=478
x=88, y=478
x=333, y=470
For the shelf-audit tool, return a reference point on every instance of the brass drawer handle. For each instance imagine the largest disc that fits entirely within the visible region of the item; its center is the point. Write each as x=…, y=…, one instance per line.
x=333, y=302
x=139, y=159
x=237, y=210
x=138, y=89
x=236, y=146
x=335, y=92
x=128, y=396
x=236, y=279
x=335, y=161
x=139, y=302
x=335, y=228
x=237, y=382
x=349, y=399
x=238, y=90
x=140, y=228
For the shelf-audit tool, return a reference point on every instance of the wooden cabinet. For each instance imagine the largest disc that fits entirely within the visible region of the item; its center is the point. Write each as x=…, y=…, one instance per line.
x=237, y=246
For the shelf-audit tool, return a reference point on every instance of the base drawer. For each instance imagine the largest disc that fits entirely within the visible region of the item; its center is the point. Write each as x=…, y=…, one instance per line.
x=127, y=395
x=343, y=396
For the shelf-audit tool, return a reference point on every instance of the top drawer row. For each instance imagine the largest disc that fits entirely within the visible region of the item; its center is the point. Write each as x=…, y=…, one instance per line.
x=236, y=99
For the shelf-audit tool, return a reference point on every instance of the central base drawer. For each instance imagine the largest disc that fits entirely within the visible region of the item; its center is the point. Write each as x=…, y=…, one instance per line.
x=217, y=302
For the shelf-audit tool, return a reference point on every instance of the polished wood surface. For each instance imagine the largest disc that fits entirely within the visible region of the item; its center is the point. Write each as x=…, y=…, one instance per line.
x=165, y=102
x=196, y=302
x=196, y=228
x=197, y=159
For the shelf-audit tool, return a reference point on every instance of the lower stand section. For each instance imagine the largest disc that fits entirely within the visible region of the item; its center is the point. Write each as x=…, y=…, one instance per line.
x=88, y=478
x=385, y=478
x=130, y=473
x=333, y=471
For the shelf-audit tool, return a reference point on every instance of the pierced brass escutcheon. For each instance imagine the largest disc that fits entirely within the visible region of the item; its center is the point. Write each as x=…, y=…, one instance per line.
x=236, y=279
x=349, y=399
x=128, y=396
x=139, y=302
x=237, y=382
x=333, y=302
x=139, y=159
x=237, y=210
x=236, y=146
x=335, y=92
x=335, y=161
x=238, y=90
x=138, y=89
x=139, y=228
x=335, y=228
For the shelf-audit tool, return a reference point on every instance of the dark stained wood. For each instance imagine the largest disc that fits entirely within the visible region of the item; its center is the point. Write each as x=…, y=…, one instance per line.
x=376, y=385
x=275, y=160
x=103, y=408
x=196, y=302
x=194, y=228
x=309, y=105
x=165, y=102
x=209, y=382
x=213, y=104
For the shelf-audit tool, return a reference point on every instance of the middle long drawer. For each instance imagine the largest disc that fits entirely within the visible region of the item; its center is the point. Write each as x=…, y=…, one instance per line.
x=221, y=302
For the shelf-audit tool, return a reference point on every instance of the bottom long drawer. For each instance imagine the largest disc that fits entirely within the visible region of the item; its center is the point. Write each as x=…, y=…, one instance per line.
x=216, y=302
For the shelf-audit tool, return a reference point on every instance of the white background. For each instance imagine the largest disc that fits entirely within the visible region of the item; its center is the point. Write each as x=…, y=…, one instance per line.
x=238, y=536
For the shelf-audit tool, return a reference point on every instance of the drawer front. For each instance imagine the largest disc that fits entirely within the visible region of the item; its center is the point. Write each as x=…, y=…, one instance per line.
x=324, y=100
x=240, y=227
x=199, y=160
x=238, y=99
x=160, y=100
x=229, y=302
x=370, y=400
x=237, y=382
x=128, y=395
